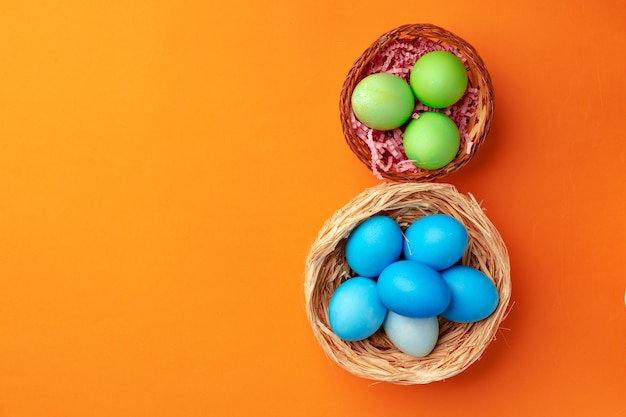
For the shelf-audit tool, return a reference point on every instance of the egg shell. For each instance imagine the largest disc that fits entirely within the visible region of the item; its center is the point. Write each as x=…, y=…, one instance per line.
x=355, y=311
x=437, y=240
x=382, y=101
x=474, y=296
x=432, y=140
x=413, y=336
x=413, y=289
x=373, y=245
x=439, y=79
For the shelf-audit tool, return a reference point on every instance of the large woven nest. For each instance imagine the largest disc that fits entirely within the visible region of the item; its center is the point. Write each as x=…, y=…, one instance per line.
x=478, y=125
x=375, y=358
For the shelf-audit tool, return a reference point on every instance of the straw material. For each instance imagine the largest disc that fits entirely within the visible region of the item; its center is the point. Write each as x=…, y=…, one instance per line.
x=478, y=125
x=376, y=358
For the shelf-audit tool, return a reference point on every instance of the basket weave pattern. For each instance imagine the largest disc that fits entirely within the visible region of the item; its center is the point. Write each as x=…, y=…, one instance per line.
x=375, y=358
x=478, y=126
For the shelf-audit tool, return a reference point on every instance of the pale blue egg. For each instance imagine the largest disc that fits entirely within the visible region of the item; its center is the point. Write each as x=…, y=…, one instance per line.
x=355, y=311
x=374, y=244
x=413, y=289
x=437, y=240
x=474, y=296
x=415, y=337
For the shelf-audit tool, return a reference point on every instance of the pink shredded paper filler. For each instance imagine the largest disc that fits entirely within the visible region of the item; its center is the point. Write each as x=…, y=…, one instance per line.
x=386, y=146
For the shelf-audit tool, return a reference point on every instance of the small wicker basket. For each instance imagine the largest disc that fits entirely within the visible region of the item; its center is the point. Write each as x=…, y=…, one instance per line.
x=477, y=126
x=375, y=358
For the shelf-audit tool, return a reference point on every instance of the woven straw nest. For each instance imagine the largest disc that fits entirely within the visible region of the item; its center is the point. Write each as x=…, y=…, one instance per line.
x=375, y=358
x=478, y=125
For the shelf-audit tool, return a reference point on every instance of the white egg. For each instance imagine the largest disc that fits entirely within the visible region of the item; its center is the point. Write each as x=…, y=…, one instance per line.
x=413, y=336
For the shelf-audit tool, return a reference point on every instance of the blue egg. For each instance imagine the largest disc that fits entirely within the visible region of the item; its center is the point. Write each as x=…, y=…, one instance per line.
x=355, y=311
x=374, y=244
x=412, y=289
x=415, y=337
x=437, y=240
x=474, y=295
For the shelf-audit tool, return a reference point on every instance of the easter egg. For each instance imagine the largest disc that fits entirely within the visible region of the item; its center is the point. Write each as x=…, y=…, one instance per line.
x=415, y=337
x=412, y=289
x=432, y=140
x=474, y=296
x=437, y=240
x=374, y=244
x=354, y=310
x=382, y=101
x=439, y=79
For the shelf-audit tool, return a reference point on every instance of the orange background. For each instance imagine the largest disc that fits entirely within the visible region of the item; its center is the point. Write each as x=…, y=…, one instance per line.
x=165, y=165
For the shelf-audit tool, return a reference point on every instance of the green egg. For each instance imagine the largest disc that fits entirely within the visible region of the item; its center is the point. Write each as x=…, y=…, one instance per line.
x=432, y=140
x=383, y=101
x=438, y=79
